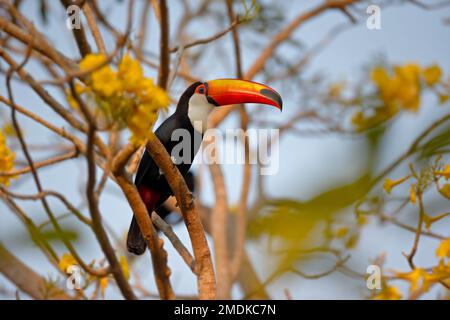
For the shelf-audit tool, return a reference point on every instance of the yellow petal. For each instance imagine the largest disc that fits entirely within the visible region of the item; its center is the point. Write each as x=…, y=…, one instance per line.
x=443, y=251
x=66, y=261
x=389, y=184
x=445, y=173
x=125, y=268
x=445, y=190
x=379, y=76
x=415, y=277
x=6, y=160
x=342, y=232
x=443, y=98
x=432, y=75
x=412, y=195
x=103, y=285
x=389, y=293
x=91, y=61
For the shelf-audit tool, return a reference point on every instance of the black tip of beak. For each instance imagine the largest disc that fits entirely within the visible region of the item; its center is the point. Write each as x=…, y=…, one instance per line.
x=272, y=95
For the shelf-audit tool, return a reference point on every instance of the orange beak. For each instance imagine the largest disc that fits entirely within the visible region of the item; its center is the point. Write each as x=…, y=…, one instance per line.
x=223, y=92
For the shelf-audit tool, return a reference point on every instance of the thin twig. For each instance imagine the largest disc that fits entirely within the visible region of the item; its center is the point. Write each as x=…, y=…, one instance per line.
x=94, y=28
x=164, y=59
x=41, y=164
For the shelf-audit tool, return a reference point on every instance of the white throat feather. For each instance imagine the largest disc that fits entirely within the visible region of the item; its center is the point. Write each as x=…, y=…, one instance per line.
x=198, y=112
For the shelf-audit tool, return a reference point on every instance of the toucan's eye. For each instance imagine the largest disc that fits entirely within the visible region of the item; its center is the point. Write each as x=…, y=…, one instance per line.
x=201, y=90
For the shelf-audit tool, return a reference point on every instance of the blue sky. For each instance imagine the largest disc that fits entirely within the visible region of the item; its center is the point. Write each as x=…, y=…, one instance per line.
x=307, y=164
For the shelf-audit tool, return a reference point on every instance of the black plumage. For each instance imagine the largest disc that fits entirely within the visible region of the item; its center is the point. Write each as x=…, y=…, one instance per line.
x=150, y=182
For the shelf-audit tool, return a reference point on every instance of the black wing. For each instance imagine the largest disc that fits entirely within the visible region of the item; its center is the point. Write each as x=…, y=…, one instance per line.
x=148, y=171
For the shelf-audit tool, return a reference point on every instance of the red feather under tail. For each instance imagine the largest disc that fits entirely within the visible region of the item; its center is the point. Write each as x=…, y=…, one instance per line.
x=135, y=241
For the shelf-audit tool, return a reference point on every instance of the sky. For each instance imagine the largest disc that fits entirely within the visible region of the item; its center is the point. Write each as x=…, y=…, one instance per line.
x=308, y=164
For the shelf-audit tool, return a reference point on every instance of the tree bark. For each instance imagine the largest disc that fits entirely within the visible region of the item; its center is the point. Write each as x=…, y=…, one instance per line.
x=26, y=279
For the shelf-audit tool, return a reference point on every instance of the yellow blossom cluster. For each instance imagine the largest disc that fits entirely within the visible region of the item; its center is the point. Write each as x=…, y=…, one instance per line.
x=66, y=261
x=421, y=279
x=443, y=251
x=397, y=89
x=389, y=184
x=436, y=175
x=124, y=97
x=104, y=281
x=388, y=293
x=6, y=159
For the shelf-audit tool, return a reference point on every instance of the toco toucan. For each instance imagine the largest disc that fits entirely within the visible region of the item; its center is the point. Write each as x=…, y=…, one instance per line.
x=191, y=115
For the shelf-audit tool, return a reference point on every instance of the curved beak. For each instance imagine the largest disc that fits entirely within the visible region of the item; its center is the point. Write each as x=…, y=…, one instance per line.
x=223, y=92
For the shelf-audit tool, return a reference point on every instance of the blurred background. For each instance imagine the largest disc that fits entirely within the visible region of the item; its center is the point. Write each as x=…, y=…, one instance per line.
x=326, y=163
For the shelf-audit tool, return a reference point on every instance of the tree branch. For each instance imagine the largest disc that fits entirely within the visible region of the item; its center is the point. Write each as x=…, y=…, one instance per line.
x=26, y=279
x=219, y=233
x=164, y=59
x=155, y=245
x=206, y=279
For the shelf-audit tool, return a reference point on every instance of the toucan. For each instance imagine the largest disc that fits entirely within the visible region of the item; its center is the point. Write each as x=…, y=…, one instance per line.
x=191, y=115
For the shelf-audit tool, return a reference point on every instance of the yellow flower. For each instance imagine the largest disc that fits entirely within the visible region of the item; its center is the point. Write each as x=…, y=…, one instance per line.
x=342, y=232
x=66, y=261
x=402, y=87
x=443, y=98
x=335, y=90
x=412, y=195
x=430, y=220
x=445, y=173
x=379, y=76
x=445, y=190
x=151, y=93
x=390, y=184
x=388, y=86
x=161, y=98
x=8, y=130
x=103, y=285
x=105, y=82
x=440, y=272
x=6, y=160
x=125, y=268
x=389, y=293
x=416, y=277
x=91, y=61
x=409, y=96
x=141, y=121
x=123, y=97
x=130, y=73
x=408, y=92
x=443, y=251
x=432, y=75
x=79, y=89
x=362, y=220
x=409, y=72
x=358, y=120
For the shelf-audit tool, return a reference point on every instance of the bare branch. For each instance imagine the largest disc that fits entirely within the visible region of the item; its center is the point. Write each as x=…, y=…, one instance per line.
x=26, y=279
x=176, y=242
x=219, y=233
x=78, y=33
x=206, y=279
x=41, y=164
x=94, y=28
x=164, y=59
x=155, y=245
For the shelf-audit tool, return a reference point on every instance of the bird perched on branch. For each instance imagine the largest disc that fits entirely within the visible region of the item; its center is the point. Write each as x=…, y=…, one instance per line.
x=190, y=118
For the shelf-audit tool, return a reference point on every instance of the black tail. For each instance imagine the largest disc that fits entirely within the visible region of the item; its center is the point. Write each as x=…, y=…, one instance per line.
x=135, y=241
